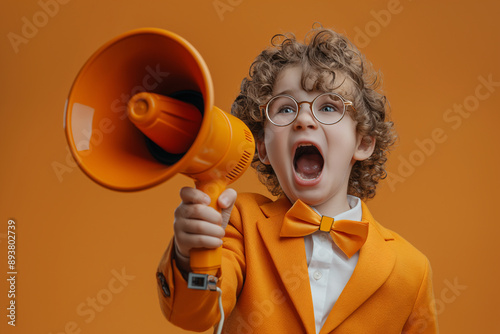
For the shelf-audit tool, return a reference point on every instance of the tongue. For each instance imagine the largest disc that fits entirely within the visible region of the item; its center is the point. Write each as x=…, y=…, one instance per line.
x=309, y=166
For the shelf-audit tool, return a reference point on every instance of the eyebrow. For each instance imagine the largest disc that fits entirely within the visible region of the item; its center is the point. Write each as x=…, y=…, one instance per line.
x=286, y=91
x=341, y=92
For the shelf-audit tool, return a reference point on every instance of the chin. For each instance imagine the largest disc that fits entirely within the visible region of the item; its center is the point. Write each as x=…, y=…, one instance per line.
x=311, y=197
x=320, y=194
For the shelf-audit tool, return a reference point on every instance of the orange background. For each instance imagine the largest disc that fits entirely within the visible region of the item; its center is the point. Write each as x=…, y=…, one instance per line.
x=73, y=236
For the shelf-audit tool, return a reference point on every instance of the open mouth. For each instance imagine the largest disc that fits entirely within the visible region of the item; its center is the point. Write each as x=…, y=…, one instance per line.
x=308, y=162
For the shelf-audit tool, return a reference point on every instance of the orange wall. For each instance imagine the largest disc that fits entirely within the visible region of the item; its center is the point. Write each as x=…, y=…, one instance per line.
x=74, y=237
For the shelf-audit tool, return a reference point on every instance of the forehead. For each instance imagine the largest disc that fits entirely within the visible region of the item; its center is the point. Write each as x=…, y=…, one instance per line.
x=294, y=80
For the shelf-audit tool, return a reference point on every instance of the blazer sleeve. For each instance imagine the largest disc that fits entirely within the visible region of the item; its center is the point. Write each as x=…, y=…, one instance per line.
x=423, y=319
x=198, y=310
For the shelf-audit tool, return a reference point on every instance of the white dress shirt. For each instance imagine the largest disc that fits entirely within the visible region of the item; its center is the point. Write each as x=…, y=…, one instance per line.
x=329, y=268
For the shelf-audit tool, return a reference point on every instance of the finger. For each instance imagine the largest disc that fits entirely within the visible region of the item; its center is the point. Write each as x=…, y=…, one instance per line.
x=226, y=202
x=227, y=198
x=197, y=234
x=200, y=227
x=194, y=196
x=197, y=212
x=190, y=241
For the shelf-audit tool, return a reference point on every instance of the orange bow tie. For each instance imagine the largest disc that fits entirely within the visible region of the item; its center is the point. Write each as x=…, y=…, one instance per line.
x=301, y=220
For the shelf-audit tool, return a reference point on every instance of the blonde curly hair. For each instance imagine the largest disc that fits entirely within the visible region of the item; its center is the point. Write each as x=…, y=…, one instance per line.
x=323, y=53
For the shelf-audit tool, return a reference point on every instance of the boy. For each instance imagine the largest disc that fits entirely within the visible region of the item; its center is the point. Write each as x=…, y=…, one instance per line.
x=314, y=260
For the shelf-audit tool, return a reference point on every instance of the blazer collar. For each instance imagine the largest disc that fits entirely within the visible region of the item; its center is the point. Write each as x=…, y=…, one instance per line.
x=289, y=258
x=375, y=264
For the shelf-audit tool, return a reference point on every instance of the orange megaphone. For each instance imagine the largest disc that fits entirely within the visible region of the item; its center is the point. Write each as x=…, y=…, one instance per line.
x=141, y=110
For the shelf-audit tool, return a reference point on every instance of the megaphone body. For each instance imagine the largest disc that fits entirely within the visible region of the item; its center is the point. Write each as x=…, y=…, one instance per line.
x=141, y=111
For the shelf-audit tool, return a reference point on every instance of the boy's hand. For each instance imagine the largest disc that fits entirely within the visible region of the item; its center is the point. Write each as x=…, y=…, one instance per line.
x=196, y=225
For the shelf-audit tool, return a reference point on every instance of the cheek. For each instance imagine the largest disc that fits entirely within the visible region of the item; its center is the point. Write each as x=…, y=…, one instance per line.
x=271, y=133
x=278, y=151
x=274, y=140
x=342, y=149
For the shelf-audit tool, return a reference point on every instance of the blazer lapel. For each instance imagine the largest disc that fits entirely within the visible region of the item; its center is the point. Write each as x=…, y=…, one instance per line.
x=289, y=258
x=375, y=264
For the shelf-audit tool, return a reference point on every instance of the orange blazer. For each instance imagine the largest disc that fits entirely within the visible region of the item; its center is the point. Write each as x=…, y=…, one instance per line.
x=265, y=282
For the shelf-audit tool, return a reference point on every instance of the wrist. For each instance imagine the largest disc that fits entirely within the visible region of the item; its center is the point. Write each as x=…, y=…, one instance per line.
x=181, y=261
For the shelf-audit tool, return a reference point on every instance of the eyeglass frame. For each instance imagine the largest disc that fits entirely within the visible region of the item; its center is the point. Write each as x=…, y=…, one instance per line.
x=345, y=101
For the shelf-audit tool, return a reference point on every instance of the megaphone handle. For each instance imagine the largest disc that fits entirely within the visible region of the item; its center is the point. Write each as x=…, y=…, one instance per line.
x=203, y=260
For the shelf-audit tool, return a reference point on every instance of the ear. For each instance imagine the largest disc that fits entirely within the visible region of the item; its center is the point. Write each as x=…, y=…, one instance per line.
x=365, y=145
x=262, y=151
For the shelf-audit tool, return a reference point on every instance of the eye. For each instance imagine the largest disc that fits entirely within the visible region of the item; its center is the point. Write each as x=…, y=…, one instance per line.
x=286, y=110
x=329, y=103
x=329, y=108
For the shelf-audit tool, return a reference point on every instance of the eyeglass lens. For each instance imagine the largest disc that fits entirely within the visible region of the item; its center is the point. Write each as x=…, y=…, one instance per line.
x=327, y=108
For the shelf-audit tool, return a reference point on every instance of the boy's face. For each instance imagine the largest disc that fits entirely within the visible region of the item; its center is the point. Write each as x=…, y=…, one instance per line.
x=313, y=161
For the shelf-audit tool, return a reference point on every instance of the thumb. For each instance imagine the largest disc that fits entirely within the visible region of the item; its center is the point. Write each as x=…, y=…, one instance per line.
x=226, y=202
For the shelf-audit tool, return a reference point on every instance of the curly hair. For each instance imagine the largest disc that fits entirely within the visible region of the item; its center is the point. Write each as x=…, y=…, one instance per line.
x=323, y=54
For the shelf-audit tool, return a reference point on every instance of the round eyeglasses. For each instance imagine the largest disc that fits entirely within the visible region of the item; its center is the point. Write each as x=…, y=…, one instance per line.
x=327, y=108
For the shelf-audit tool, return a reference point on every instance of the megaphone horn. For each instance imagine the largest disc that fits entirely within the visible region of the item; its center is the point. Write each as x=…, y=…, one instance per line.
x=148, y=96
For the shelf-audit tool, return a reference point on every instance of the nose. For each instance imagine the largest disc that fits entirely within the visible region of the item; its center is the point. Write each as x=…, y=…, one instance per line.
x=305, y=118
